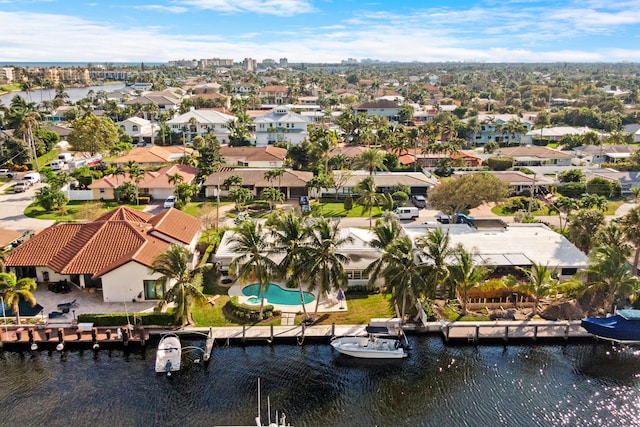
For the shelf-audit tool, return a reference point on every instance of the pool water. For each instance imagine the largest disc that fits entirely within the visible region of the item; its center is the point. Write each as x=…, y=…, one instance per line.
x=274, y=294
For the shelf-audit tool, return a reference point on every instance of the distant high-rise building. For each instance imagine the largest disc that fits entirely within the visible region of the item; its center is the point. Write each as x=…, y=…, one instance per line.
x=6, y=74
x=284, y=63
x=250, y=64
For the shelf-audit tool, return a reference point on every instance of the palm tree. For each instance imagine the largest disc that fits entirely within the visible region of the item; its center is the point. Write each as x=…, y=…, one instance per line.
x=324, y=264
x=465, y=275
x=540, y=282
x=175, y=179
x=607, y=271
x=436, y=247
x=631, y=229
x=371, y=160
x=290, y=234
x=369, y=197
x=271, y=174
x=136, y=173
x=252, y=261
x=386, y=230
x=402, y=276
x=174, y=266
x=14, y=290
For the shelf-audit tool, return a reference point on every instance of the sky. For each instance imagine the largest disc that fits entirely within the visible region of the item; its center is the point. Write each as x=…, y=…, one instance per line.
x=320, y=30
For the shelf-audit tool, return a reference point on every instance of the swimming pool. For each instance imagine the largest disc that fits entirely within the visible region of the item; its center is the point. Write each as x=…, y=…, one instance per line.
x=274, y=294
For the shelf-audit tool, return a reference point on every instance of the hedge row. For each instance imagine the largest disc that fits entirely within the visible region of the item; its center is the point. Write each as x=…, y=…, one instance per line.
x=250, y=312
x=120, y=319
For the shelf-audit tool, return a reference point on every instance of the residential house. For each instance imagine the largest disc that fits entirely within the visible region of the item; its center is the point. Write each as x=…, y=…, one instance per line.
x=604, y=153
x=382, y=108
x=254, y=157
x=627, y=180
x=555, y=134
x=112, y=254
x=532, y=155
x=206, y=121
x=280, y=125
x=165, y=102
x=216, y=100
x=292, y=183
x=520, y=182
x=59, y=114
x=157, y=155
x=139, y=129
x=506, y=248
x=418, y=182
x=500, y=128
x=9, y=239
x=154, y=184
x=359, y=252
x=274, y=95
x=459, y=158
x=633, y=129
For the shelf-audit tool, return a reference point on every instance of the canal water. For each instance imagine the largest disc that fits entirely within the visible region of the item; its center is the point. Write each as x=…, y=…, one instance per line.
x=528, y=385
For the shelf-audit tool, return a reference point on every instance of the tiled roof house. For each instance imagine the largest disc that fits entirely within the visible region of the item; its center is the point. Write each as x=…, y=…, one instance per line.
x=113, y=254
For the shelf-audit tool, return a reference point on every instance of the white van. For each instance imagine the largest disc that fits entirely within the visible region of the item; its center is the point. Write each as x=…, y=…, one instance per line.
x=407, y=212
x=32, y=177
x=67, y=157
x=56, y=165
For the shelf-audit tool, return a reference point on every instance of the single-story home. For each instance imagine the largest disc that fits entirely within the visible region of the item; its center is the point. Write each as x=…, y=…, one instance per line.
x=518, y=245
x=153, y=184
x=604, y=153
x=430, y=160
x=112, y=254
x=627, y=180
x=292, y=183
x=531, y=155
x=156, y=155
x=418, y=182
x=520, y=182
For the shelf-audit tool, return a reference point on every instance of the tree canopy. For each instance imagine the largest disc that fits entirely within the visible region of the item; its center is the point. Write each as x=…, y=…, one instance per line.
x=93, y=134
x=467, y=192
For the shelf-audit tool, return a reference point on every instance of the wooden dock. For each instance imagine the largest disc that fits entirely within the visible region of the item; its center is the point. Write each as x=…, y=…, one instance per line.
x=526, y=330
x=82, y=335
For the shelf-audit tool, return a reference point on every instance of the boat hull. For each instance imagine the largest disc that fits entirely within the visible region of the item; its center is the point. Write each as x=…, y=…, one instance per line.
x=169, y=354
x=367, y=348
x=614, y=328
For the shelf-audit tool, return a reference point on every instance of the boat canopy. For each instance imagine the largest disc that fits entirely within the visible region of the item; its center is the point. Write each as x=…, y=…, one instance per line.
x=630, y=314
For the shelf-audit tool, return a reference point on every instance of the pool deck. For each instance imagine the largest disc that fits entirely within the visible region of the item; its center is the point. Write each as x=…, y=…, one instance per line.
x=327, y=304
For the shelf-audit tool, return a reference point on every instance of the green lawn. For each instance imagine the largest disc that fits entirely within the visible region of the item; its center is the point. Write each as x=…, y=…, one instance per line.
x=361, y=309
x=330, y=209
x=45, y=159
x=499, y=210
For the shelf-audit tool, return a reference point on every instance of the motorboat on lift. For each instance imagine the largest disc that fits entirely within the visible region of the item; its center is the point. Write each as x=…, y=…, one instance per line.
x=622, y=327
x=169, y=354
x=379, y=343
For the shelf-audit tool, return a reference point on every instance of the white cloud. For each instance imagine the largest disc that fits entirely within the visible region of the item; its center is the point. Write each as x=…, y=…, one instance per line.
x=162, y=8
x=266, y=7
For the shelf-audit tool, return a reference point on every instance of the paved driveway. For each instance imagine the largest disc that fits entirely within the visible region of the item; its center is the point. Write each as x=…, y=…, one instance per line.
x=12, y=208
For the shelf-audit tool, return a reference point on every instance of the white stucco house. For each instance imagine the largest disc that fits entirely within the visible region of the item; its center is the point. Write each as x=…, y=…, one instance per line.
x=112, y=254
x=206, y=121
x=280, y=125
x=141, y=130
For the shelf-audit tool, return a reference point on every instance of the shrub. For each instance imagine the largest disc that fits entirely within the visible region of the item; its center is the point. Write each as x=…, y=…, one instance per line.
x=250, y=312
x=516, y=204
x=120, y=319
x=144, y=200
x=574, y=190
x=600, y=187
x=499, y=163
x=348, y=203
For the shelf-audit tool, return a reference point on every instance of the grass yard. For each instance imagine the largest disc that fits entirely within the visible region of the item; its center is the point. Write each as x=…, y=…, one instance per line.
x=499, y=210
x=362, y=308
x=329, y=209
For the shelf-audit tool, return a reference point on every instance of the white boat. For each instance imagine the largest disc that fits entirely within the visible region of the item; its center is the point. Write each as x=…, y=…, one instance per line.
x=169, y=354
x=378, y=344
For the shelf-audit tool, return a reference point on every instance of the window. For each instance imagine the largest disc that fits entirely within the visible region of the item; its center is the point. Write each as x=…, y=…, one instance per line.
x=568, y=271
x=102, y=191
x=153, y=289
x=134, y=128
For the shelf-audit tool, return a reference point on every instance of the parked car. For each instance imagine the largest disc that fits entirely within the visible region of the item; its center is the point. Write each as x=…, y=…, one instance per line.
x=419, y=201
x=21, y=187
x=32, y=177
x=304, y=200
x=462, y=218
x=7, y=173
x=170, y=202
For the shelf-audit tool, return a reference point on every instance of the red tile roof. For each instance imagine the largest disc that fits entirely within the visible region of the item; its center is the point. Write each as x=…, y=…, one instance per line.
x=114, y=239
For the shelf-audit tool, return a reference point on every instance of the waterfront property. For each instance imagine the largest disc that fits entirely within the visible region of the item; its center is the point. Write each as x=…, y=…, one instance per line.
x=111, y=255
